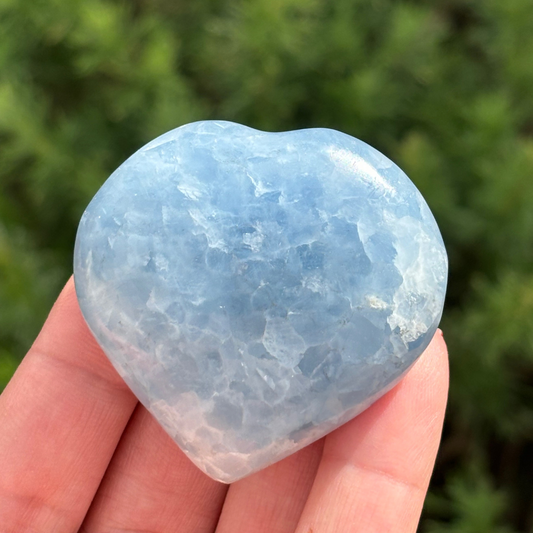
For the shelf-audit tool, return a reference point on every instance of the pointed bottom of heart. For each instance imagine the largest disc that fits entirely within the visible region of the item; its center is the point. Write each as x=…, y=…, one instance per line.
x=227, y=459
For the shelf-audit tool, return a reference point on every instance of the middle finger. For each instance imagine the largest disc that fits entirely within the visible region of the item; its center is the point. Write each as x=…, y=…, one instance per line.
x=151, y=485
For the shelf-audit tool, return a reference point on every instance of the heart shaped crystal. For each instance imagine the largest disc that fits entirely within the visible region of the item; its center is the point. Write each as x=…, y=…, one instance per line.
x=257, y=290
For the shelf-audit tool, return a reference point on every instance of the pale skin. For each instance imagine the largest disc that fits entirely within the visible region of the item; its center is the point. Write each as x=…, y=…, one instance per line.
x=79, y=454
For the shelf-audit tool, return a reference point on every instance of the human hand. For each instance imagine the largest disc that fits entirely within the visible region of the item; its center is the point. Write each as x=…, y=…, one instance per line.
x=78, y=453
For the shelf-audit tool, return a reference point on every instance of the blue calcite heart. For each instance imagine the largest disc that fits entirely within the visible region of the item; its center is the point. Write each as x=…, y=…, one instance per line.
x=257, y=290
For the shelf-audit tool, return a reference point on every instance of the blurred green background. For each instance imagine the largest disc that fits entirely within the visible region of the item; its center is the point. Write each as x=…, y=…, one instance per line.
x=443, y=87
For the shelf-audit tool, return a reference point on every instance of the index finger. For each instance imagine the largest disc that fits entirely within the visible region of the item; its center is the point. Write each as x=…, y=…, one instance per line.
x=61, y=416
x=375, y=470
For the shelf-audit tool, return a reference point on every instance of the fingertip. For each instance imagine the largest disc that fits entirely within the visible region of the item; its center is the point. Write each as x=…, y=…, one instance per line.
x=439, y=339
x=65, y=334
x=379, y=464
x=432, y=366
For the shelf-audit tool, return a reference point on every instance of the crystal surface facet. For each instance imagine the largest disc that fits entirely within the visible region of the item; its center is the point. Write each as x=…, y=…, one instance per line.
x=257, y=290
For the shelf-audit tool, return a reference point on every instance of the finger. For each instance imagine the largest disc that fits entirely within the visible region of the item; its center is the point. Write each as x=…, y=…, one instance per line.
x=61, y=416
x=272, y=500
x=152, y=486
x=375, y=470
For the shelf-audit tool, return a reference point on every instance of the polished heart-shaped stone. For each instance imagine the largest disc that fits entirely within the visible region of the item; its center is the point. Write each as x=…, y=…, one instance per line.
x=257, y=290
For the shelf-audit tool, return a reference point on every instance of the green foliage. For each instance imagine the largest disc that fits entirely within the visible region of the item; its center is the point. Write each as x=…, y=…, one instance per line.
x=473, y=503
x=444, y=87
x=8, y=365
